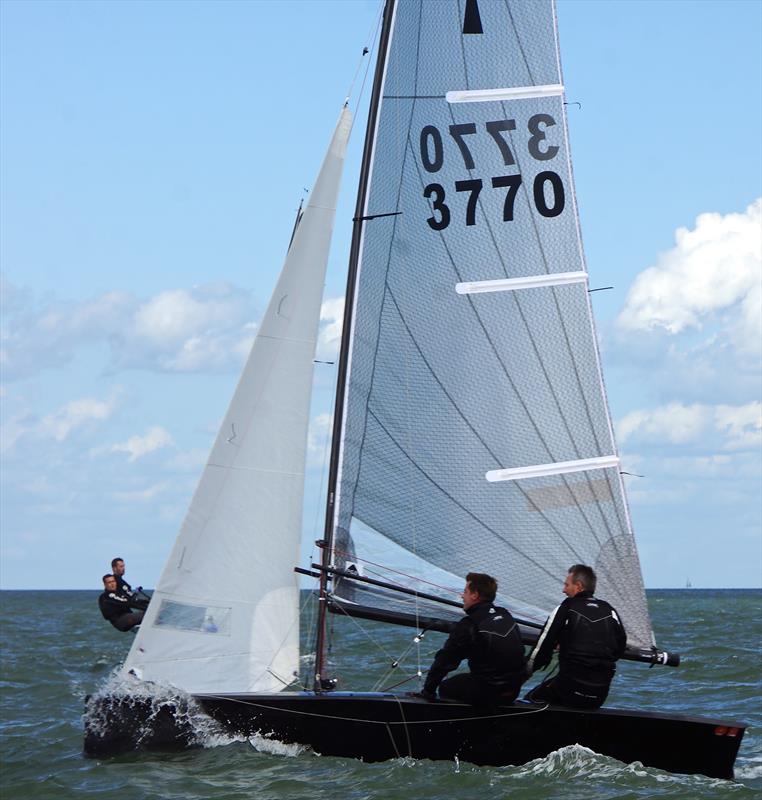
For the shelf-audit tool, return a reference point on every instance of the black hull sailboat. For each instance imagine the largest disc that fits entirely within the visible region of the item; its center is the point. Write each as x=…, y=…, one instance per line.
x=378, y=726
x=471, y=432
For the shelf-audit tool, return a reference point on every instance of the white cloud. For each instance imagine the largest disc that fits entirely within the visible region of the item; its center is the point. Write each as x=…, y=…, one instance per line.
x=741, y=425
x=725, y=427
x=179, y=330
x=73, y=415
x=714, y=270
x=138, y=446
x=319, y=439
x=181, y=321
x=331, y=319
x=87, y=412
x=204, y=329
x=12, y=430
x=141, y=495
x=192, y=461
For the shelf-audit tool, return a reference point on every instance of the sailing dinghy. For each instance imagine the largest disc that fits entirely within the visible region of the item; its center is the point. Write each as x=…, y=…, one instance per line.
x=471, y=431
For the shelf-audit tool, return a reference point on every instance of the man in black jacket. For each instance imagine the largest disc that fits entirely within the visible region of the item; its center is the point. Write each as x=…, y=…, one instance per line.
x=117, y=566
x=489, y=638
x=589, y=637
x=117, y=607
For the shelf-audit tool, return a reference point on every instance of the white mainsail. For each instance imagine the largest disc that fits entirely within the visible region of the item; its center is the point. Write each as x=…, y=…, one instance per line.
x=475, y=432
x=225, y=613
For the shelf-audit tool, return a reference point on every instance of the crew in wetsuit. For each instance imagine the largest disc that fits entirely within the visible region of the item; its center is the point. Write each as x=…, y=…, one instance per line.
x=489, y=638
x=117, y=566
x=117, y=608
x=590, y=638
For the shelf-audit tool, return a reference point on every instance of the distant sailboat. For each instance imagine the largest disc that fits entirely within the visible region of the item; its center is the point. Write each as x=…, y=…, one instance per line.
x=688, y=584
x=471, y=429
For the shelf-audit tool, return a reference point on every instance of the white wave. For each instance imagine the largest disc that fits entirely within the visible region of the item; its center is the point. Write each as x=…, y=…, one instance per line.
x=576, y=761
x=573, y=760
x=274, y=747
x=748, y=769
x=220, y=738
x=127, y=689
x=307, y=659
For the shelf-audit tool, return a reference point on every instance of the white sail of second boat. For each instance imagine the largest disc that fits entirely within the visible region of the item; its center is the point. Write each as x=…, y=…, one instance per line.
x=225, y=613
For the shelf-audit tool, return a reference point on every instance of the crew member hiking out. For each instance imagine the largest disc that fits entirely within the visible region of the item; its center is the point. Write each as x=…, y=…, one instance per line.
x=118, y=568
x=119, y=609
x=489, y=638
x=589, y=637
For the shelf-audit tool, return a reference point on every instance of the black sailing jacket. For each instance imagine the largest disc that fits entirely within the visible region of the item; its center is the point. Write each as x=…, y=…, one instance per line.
x=114, y=605
x=590, y=636
x=489, y=638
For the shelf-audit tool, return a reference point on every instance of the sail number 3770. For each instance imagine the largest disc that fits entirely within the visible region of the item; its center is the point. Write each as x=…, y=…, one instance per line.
x=547, y=188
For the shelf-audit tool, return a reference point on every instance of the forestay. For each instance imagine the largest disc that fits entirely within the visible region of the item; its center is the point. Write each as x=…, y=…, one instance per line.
x=475, y=428
x=225, y=613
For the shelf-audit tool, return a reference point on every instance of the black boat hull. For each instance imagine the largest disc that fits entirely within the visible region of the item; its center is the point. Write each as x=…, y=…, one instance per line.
x=376, y=727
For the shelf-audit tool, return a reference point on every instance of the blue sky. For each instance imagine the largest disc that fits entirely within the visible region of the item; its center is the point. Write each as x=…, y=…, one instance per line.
x=152, y=158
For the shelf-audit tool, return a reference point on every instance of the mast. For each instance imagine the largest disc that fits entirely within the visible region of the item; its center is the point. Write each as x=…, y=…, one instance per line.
x=354, y=258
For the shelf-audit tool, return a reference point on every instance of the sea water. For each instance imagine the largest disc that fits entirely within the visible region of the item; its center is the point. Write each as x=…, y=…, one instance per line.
x=56, y=648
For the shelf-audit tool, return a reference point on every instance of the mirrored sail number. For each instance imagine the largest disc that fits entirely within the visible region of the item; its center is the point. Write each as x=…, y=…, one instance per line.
x=547, y=190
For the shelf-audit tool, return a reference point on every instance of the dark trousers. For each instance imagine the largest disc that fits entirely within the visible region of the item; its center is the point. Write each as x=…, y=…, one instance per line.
x=561, y=690
x=476, y=691
x=128, y=621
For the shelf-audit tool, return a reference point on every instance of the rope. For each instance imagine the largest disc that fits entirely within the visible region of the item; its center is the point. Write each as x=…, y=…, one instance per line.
x=396, y=662
x=404, y=722
x=398, y=572
x=538, y=710
x=367, y=50
x=401, y=683
x=372, y=640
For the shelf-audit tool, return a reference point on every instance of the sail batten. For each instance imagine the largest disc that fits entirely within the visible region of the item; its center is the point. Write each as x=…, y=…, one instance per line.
x=509, y=93
x=528, y=282
x=558, y=468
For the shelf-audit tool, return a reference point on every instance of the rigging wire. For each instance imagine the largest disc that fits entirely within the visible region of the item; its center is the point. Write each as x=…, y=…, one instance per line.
x=400, y=572
x=371, y=38
x=297, y=676
x=368, y=50
x=380, y=647
x=415, y=642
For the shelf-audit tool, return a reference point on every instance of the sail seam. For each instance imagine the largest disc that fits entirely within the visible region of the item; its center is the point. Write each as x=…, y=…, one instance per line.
x=519, y=42
x=519, y=307
x=256, y=469
x=388, y=263
x=333, y=510
x=455, y=501
x=505, y=370
x=624, y=524
x=286, y=339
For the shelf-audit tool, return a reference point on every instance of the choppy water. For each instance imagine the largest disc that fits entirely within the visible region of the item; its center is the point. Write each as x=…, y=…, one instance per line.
x=56, y=648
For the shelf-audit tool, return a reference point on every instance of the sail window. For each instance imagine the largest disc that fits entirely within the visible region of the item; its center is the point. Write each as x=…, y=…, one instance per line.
x=510, y=93
x=528, y=282
x=558, y=468
x=198, y=619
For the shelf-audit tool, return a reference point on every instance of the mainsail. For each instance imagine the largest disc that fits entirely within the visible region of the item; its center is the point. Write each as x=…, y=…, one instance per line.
x=474, y=428
x=225, y=613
